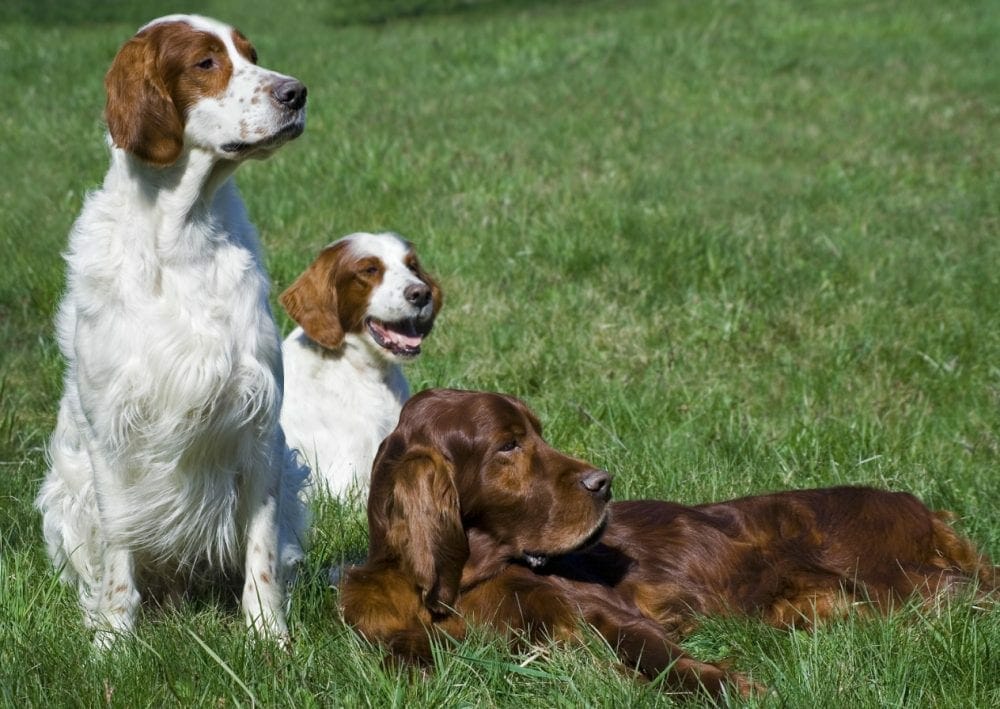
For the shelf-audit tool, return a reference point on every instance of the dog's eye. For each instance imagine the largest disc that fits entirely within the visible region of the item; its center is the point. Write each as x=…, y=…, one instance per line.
x=508, y=446
x=371, y=271
x=206, y=63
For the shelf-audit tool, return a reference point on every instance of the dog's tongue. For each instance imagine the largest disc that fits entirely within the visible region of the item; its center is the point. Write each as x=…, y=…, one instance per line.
x=400, y=334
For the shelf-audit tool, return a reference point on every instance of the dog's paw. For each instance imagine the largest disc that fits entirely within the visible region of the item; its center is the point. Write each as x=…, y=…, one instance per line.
x=105, y=639
x=745, y=687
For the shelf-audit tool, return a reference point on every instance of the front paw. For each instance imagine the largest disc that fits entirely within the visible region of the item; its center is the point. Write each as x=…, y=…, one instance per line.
x=745, y=687
x=269, y=627
x=105, y=639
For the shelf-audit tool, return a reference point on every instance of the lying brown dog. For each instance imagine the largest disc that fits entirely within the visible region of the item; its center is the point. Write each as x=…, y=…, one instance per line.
x=475, y=518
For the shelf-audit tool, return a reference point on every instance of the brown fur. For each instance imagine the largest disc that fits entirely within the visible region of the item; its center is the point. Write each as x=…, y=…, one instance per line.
x=465, y=490
x=153, y=81
x=330, y=298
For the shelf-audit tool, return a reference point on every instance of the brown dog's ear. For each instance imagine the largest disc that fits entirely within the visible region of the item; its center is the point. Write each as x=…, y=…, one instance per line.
x=140, y=113
x=414, y=515
x=311, y=300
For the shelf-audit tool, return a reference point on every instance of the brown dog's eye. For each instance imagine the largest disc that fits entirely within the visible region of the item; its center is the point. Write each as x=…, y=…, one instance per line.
x=508, y=446
x=206, y=63
x=371, y=271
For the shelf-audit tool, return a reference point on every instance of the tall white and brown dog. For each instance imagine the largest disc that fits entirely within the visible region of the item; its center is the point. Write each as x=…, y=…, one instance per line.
x=168, y=463
x=363, y=306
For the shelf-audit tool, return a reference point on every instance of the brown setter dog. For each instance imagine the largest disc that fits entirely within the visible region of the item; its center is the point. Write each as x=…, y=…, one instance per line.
x=474, y=518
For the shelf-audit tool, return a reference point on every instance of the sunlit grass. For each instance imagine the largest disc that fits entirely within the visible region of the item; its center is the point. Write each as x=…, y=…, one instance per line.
x=720, y=248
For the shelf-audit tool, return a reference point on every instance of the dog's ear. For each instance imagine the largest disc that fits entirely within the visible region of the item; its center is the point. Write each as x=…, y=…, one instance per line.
x=414, y=516
x=311, y=301
x=140, y=113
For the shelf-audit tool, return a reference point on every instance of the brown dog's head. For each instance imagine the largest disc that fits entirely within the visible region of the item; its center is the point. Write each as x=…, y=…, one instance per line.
x=461, y=462
x=370, y=287
x=191, y=80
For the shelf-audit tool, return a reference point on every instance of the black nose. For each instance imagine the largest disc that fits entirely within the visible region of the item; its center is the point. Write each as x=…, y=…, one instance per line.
x=290, y=93
x=597, y=483
x=417, y=293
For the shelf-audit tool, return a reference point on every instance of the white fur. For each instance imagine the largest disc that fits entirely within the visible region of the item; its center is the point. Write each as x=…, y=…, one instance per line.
x=168, y=463
x=340, y=404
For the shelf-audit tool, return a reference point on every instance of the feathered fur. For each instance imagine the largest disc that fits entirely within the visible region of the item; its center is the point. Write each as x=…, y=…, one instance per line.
x=168, y=464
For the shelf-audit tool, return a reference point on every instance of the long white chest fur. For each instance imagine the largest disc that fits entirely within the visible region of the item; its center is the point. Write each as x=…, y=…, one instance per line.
x=176, y=365
x=346, y=403
x=167, y=463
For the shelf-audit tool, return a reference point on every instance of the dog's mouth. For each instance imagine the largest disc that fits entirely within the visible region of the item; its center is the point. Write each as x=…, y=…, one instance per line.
x=289, y=131
x=402, y=338
x=538, y=559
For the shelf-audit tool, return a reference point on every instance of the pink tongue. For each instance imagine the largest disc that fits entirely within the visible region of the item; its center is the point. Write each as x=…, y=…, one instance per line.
x=405, y=340
x=398, y=338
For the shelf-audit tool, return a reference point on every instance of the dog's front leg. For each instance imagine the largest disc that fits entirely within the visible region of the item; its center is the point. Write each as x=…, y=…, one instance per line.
x=114, y=595
x=116, y=598
x=643, y=645
x=264, y=589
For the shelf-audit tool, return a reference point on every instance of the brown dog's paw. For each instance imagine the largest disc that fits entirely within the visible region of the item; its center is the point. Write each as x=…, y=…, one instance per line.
x=745, y=687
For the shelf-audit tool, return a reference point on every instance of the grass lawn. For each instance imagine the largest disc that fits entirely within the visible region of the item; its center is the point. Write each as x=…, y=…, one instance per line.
x=720, y=247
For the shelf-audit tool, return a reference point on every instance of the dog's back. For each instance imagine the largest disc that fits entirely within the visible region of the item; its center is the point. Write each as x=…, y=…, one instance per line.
x=790, y=557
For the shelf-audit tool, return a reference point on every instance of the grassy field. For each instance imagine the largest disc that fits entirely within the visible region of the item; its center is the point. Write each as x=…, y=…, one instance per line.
x=719, y=247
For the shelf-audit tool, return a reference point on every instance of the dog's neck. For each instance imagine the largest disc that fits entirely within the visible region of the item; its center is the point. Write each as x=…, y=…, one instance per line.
x=486, y=559
x=182, y=192
x=361, y=354
x=180, y=204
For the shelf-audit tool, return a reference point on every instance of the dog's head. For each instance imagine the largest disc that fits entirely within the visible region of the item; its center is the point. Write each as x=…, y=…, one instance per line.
x=186, y=80
x=463, y=462
x=370, y=286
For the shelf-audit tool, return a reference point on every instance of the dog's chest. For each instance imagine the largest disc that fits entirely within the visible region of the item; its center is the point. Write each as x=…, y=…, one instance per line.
x=335, y=413
x=191, y=355
x=331, y=396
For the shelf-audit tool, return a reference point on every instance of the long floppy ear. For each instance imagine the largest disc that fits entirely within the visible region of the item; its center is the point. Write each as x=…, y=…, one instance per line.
x=140, y=113
x=419, y=522
x=311, y=301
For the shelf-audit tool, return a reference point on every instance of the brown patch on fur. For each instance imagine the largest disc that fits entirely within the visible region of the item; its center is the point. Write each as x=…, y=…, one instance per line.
x=244, y=47
x=413, y=263
x=153, y=82
x=330, y=298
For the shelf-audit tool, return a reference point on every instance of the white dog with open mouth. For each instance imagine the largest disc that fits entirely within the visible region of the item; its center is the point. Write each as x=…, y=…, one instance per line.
x=169, y=468
x=363, y=306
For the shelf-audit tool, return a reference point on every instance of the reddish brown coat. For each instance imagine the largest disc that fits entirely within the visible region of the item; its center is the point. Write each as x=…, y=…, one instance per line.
x=475, y=518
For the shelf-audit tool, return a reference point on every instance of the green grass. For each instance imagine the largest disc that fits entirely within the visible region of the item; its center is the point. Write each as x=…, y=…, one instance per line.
x=719, y=247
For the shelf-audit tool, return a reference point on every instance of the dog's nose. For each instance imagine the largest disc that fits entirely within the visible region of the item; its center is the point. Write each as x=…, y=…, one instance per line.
x=418, y=294
x=597, y=483
x=290, y=92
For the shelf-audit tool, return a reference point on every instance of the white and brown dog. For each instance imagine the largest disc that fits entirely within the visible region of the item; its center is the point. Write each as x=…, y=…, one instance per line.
x=168, y=463
x=363, y=306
